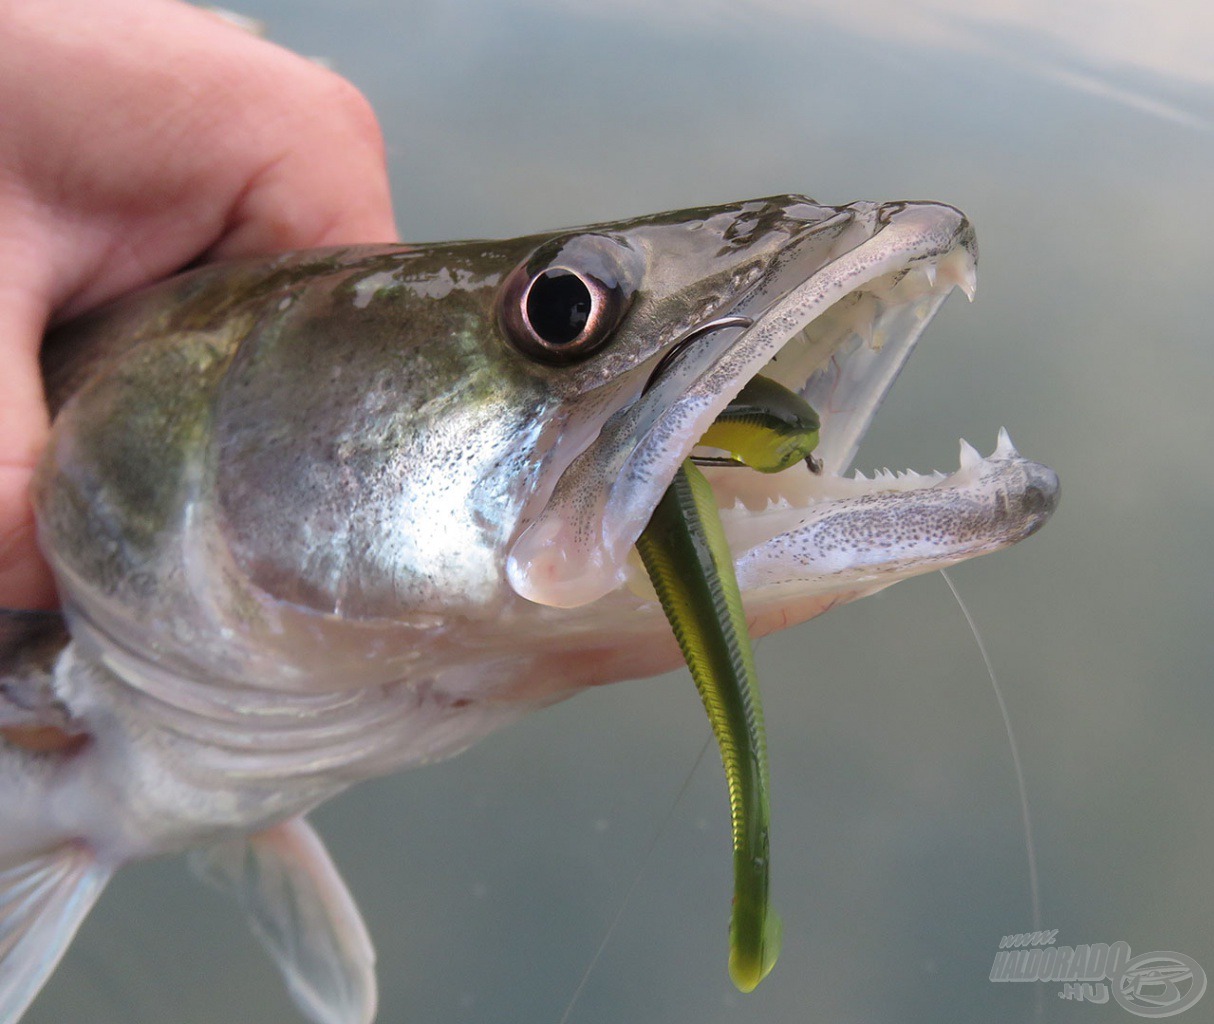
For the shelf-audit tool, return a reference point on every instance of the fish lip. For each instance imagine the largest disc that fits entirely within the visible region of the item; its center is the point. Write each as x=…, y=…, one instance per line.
x=571, y=562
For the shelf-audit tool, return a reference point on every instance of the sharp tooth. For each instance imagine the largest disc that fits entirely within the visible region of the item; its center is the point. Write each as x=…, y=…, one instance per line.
x=958, y=269
x=1004, y=445
x=969, y=281
x=969, y=455
x=929, y=269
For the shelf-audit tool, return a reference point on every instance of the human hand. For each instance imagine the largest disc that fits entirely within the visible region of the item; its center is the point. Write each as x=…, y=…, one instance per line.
x=136, y=137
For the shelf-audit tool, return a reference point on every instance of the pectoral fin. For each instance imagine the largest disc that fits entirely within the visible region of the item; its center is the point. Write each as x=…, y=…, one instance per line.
x=30, y=642
x=302, y=912
x=42, y=902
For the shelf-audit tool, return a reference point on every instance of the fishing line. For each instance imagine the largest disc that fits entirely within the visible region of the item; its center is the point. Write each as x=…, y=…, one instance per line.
x=636, y=878
x=1029, y=848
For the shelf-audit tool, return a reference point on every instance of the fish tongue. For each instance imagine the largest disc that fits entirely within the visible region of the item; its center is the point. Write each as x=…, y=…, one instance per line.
x=689, y=563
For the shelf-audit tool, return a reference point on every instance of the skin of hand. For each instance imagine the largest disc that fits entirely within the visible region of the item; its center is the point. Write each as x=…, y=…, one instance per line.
x=137, y=137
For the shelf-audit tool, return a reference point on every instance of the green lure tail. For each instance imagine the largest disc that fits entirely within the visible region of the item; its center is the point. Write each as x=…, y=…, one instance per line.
x=768, y=428
x=684, y=552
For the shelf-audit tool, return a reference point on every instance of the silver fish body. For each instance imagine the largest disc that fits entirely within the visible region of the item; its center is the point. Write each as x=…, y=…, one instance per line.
x=318, y=517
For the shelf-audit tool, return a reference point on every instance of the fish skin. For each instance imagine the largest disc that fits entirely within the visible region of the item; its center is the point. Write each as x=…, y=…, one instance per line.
x=289, y=504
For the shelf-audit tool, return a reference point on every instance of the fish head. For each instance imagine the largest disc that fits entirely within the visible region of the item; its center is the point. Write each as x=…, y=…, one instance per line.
x=467, y=439
x=830, y=302
x=826, y=300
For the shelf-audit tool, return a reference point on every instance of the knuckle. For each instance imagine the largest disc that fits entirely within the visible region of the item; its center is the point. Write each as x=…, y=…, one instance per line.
x=351, y=110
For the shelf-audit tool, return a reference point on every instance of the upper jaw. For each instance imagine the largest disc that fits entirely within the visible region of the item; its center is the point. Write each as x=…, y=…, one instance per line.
x=834, y=315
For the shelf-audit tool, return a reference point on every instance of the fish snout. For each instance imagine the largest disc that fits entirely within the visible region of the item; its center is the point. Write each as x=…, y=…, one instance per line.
x=1039, y=495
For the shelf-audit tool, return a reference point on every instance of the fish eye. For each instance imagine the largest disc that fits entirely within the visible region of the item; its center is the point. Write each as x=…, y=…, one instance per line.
x=558, y=314
x=558, y=306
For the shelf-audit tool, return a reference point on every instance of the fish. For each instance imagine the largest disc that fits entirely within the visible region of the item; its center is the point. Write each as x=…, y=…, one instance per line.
x=325, y=515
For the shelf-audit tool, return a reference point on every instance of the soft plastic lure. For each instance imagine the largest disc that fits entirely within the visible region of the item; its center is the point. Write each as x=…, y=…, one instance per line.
x=769, y=428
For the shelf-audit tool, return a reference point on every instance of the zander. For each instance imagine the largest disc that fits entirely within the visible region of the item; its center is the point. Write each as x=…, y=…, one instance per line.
x=319, y=517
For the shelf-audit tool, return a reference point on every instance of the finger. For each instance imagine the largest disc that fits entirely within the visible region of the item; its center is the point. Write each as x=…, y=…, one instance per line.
x=327, y=184
x=189, y=139
x=25, y=578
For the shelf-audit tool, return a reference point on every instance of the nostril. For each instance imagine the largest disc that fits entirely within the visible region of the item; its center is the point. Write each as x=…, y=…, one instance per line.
x=1043, y=493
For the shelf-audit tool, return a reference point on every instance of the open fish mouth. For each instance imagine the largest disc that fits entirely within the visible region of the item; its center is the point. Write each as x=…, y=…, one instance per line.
x=832, y=315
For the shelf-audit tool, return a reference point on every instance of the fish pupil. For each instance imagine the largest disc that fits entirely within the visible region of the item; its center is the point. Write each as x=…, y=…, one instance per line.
x=558, y=306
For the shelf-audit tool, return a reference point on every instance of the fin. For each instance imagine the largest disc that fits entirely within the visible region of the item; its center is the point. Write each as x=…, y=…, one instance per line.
x=31, y=714
x=302, y=912
x=42, y=902
x=30, y=641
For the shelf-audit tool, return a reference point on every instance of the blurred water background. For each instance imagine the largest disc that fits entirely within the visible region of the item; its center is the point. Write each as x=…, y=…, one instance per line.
x=1077, y=136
